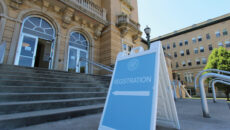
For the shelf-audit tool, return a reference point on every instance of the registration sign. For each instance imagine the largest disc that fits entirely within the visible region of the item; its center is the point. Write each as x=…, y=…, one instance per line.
x=132, y=96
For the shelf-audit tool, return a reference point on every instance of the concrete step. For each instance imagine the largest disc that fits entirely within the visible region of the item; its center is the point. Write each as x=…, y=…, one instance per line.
x=20, y=69
x=13, y=97
x=46, y=83
x=54, y=75
x=15, y=75
x=39, y=89
x=17, y=120
x=27, y=106
x=32, y=78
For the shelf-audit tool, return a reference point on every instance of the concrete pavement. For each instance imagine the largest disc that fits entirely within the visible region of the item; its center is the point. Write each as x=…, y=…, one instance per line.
x=189, y=113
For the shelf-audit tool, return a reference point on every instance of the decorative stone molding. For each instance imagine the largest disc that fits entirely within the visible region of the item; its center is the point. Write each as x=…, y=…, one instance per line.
x=124, y=31
x=57, y=8
x=125, y=24
x=97, y=32
x=136, y=36
x=67, y=16
x=45, y=3
x=15, y=3
x=128, y=4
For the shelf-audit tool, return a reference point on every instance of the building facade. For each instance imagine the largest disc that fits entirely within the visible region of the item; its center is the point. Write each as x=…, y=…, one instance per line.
x=63, y=34
x=191, y=46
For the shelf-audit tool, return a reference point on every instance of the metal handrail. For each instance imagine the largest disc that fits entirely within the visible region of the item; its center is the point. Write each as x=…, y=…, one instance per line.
x=110, y=69
x=213, y=87
x=221, y=71
x=2, y=52
x=202, y=90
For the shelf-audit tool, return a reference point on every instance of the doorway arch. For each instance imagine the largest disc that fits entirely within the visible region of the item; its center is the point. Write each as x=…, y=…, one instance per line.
x=36, y=43
x=78, y=50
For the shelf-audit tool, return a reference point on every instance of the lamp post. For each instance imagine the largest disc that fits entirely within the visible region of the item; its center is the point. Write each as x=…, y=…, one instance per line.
x=147, y=32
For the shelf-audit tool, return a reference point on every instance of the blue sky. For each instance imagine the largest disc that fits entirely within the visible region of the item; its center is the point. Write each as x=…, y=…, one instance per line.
x=165, y=16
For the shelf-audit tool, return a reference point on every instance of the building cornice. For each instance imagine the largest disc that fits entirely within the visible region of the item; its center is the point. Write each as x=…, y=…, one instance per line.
x=193, y=27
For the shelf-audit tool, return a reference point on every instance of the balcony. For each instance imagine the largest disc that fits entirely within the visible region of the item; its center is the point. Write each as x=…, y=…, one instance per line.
x=125, y=24
x=89, y=8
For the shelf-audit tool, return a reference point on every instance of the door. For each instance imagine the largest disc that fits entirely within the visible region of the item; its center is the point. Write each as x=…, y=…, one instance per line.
x=27, y=50
x=74, y=62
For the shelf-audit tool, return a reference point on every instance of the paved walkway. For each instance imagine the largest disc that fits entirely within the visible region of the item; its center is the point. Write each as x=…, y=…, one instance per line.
x=189, y=112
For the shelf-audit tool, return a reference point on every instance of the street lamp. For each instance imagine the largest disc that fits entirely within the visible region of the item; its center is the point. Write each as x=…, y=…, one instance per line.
x=147, y=32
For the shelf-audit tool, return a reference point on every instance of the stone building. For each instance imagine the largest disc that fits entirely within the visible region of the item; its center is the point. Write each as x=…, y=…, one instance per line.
x=56, y=34
x=190, y=47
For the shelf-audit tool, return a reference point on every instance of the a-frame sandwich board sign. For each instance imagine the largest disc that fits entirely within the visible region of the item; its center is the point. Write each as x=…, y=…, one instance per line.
x=140, y=95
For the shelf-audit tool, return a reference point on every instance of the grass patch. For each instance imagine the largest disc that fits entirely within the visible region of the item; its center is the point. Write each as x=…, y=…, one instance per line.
x=208, y=98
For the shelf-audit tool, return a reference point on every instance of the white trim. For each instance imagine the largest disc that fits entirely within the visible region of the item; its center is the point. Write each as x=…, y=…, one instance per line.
x=78, y=58
x=18, y=53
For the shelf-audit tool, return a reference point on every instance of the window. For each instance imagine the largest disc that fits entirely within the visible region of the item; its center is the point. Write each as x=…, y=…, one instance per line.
x=199, y=38
x=189, y=63
x=210, y=47
x=177, y=65
x=217, y=33
x=168, y=46
x=129, y=48
x=182, y=53
x=181, y=43
x=183, y=63
x=187, y=52
x=220, y=44
x=225, y=32
x=163, y=47
x=227, y=43
x=208, y=36
x=188, y=76
x=198, y=61
x=174, y=45
x=185, y=42
x=178, y=76
x=169, y=55
x=175, y=54
x=194, y=40
x=124, y=47
x=204, y=61
x=195, y=51
x=201, y=49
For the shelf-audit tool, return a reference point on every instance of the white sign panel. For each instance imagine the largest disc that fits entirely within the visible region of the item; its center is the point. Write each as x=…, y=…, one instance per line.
x=132, y=102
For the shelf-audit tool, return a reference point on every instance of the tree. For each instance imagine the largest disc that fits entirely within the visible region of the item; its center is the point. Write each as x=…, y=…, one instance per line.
x=220, y=59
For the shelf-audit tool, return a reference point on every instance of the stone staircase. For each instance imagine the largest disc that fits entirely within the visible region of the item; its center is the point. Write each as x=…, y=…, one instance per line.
x=31, y=96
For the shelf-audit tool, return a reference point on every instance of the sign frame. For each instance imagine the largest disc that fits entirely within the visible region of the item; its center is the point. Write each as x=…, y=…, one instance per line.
x=155, y=48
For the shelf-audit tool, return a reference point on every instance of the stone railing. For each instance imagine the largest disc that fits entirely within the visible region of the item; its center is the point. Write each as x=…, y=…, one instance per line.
x=124, y=19
x=92, y=7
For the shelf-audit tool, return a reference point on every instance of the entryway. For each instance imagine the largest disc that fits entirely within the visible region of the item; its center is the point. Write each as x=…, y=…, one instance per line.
x=75, y=63
x=36, y=44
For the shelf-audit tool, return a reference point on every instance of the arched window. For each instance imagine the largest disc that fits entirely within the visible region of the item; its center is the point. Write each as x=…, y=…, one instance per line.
x=78, y=40
x=38, y=27
x=78, y=53
x=36, y=44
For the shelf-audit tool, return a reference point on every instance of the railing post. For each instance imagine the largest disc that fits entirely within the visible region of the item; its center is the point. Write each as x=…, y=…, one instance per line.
x=202, y=90
x=213, y=87
x=214, y=91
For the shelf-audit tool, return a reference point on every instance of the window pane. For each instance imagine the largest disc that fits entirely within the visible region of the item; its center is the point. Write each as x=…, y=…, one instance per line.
x=28, y=46
x=25, y=61
x=72, y=59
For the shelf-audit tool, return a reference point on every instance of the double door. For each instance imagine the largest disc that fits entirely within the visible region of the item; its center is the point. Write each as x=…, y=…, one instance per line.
x=77, y=60
x=27, y=51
